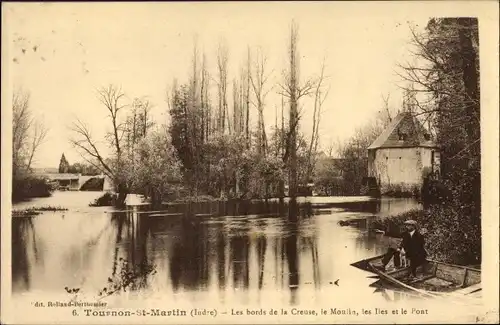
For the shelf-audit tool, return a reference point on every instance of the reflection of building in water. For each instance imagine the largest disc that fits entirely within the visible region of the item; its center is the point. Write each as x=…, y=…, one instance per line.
x=392, y=206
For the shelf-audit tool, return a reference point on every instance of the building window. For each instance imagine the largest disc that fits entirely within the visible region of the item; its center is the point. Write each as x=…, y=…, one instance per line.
x=401, y=135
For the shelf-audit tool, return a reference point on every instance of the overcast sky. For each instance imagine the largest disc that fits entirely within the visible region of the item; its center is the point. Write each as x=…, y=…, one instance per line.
x=142, y=47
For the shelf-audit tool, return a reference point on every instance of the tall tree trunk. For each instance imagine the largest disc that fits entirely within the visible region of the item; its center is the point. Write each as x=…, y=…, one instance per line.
x=472, y=112
x=247, y=103
x=470, y=78
x=122, y=192
x=292, y=175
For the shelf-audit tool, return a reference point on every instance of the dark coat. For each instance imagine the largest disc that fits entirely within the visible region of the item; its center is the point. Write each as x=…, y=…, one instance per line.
x=414, y=246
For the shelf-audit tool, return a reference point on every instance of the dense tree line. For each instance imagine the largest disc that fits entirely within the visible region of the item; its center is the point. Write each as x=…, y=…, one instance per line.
x=209, y=147
x=77, y=168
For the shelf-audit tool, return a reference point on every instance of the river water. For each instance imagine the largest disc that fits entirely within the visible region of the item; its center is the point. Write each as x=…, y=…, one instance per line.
x=237, y=254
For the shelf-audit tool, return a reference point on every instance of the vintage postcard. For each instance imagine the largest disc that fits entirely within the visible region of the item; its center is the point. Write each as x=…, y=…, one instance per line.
x=250, y=162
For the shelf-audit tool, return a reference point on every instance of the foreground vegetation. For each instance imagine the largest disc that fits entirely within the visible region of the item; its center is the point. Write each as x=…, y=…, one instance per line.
x=449, y=76
x=125, y=277
x=447, y=79
x=450, y=235
x=107, y=199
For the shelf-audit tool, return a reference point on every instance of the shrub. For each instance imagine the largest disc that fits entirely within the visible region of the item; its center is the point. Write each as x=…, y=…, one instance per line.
x=402, y=190
x=107, y=199
x=451, y=234
x=434, y=191
x=30, y=187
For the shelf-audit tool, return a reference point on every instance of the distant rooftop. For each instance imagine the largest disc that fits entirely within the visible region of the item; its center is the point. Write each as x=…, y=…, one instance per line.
x=404, y=131
x=45, y=170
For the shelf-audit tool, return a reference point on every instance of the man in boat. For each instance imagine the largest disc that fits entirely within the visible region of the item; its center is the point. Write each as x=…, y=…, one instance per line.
x=412, y=246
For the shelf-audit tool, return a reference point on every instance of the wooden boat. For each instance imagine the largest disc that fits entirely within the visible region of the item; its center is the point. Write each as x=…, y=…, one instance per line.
x=433, y=279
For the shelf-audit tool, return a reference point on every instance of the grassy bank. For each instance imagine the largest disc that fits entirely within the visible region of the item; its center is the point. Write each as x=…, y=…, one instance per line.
x=35, y=211
x=451, y=235
x=109, y=199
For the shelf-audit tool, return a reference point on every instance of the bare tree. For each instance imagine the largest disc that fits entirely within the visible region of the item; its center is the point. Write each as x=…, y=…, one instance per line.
x=144, y=108
x=205, y=108
x=258, y=80
x=294, y=91
x=319, y=98
x=88, y=147
x=387, y=110
x=446, y=76
x=222, y=61
x=246, y=96
x=28, y=132
x=111, y=97
x=21, y=123
x=333, y=148
x=236, y=107
x=37, y=138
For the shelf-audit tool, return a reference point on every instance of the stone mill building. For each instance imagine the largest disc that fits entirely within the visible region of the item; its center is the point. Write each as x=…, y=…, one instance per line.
x=401, y=155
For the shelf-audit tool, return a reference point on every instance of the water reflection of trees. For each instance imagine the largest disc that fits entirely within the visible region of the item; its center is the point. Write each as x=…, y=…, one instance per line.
x=291, y=251
x=233, y=251
x=132, y=234
x=199, y=249
x=23, y=236
x=239, y=246
x=224, y=248
x=188, y=262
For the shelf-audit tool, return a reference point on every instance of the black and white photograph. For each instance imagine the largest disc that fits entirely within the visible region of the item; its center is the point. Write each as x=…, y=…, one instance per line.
x=250, y=162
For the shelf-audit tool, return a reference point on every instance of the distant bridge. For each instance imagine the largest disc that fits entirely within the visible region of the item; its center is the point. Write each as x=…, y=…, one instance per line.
x=74, y=182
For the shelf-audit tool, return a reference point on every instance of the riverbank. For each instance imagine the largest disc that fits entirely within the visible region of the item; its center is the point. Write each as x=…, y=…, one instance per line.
x=34, y=211
x=451, y=235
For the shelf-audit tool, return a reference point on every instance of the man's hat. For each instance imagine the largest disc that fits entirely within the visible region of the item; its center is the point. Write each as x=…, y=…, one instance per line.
x=411, y=222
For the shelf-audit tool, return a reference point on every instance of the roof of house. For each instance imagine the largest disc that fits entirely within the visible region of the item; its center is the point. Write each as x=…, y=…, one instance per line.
x=405, y=130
